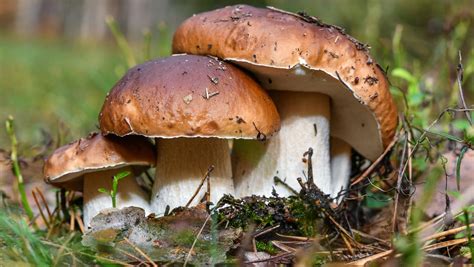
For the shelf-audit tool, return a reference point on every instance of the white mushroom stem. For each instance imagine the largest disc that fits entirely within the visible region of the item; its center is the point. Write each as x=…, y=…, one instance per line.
x=305, y=119
x=181, y=165
x=129, y=193
x=341, y=162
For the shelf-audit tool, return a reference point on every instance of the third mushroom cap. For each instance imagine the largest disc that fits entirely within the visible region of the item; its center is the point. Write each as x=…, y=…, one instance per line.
x=323, y=81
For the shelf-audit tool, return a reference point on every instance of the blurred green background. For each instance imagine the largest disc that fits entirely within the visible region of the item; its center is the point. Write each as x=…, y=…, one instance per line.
x=58, y=58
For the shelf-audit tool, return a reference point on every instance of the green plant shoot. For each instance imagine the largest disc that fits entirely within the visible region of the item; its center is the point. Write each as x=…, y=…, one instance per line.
x=113, y=193
x=16, y=167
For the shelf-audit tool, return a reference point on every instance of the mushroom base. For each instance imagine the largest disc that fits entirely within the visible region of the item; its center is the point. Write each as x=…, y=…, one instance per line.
x=129, y=193
x=181, y=165
x=305, y=121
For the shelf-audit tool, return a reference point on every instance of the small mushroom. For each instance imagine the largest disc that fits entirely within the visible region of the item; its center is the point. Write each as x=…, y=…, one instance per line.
x=90, y=163
x=190, y=135
x=324, y=84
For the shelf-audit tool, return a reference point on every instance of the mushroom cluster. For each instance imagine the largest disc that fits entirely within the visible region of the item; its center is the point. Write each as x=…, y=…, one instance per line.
x=328, y=91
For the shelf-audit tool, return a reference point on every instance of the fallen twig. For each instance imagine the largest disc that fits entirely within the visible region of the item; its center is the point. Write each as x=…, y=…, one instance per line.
x=374, y=164
x=207, y=176
x=141, y=252
x=195, y=240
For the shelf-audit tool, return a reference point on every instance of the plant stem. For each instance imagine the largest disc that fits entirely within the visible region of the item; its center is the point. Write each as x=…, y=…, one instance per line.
x=114, y=192
x=16, y=167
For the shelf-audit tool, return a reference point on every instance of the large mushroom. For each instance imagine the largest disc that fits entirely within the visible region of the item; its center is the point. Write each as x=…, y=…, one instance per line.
x=88, y=164
x=191, y=105
x=323, y=81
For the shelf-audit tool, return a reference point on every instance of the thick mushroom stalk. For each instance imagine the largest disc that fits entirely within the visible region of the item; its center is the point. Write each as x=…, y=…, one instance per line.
x=129, y=193
x=341, y=163
x=305, y=119
x=181, y=165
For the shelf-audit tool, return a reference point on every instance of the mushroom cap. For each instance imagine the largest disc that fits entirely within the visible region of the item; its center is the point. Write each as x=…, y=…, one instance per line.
x=188, y=96
x=67, y=165
x=296, y=52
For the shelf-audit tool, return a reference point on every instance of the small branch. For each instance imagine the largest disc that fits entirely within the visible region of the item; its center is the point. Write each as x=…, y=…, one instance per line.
x=309, y=153
x=207, y=176
x=43, y=199
x=141, y=252
x=277, y=180
x=198, y=235
x=374, y=164
x=40, y=209
x=459, y=79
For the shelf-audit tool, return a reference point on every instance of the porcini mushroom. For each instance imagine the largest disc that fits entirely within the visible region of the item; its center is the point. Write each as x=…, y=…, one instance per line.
x=323, y=81
x=191, y=105
x=90, y=163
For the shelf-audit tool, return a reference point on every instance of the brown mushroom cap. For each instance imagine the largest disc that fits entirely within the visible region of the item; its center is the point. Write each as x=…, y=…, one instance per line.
x=188, y=96
x=296, y=52
x=67, y=165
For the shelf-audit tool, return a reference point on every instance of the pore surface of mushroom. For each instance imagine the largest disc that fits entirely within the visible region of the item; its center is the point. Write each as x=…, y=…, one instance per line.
x=323, y=81
x=190, y=104
x=90, y=163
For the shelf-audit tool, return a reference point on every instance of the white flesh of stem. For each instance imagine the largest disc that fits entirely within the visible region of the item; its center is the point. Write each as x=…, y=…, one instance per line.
x=305, y=119
x=340, y=166
x=181, y=165
x=129, y=193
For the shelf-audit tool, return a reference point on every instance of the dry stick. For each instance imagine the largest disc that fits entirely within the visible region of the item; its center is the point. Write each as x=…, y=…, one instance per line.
x=283, y=247
x=348, y=244
x=445, y=244
x=364, y=261
x=43, y=199
x=375, y=163
x=300, y=238
x=197, y=236
x=207, y=176
x=262, y=232
x=277, y=179
x=271, y=258
x=79, y=222
x=446, y=233
x=130, y=255
x=208, y=193
x=141, y=252
x=40, y=209
x=364, y=235
x=459, y=78
x=72, y=225
x=310, y=166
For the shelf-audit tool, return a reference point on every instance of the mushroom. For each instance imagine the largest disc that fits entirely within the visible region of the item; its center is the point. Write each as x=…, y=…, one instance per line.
x=191, y=105
x=88, y=164
x=324, y=84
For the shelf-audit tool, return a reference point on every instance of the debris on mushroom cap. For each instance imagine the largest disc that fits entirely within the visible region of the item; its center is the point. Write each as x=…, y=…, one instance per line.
x=163, y=100
x=296, y=52
x=66, y=166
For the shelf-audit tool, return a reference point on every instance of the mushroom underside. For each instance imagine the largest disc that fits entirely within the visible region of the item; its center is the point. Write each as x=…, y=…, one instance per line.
x=181, y=165
x=351, y=120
